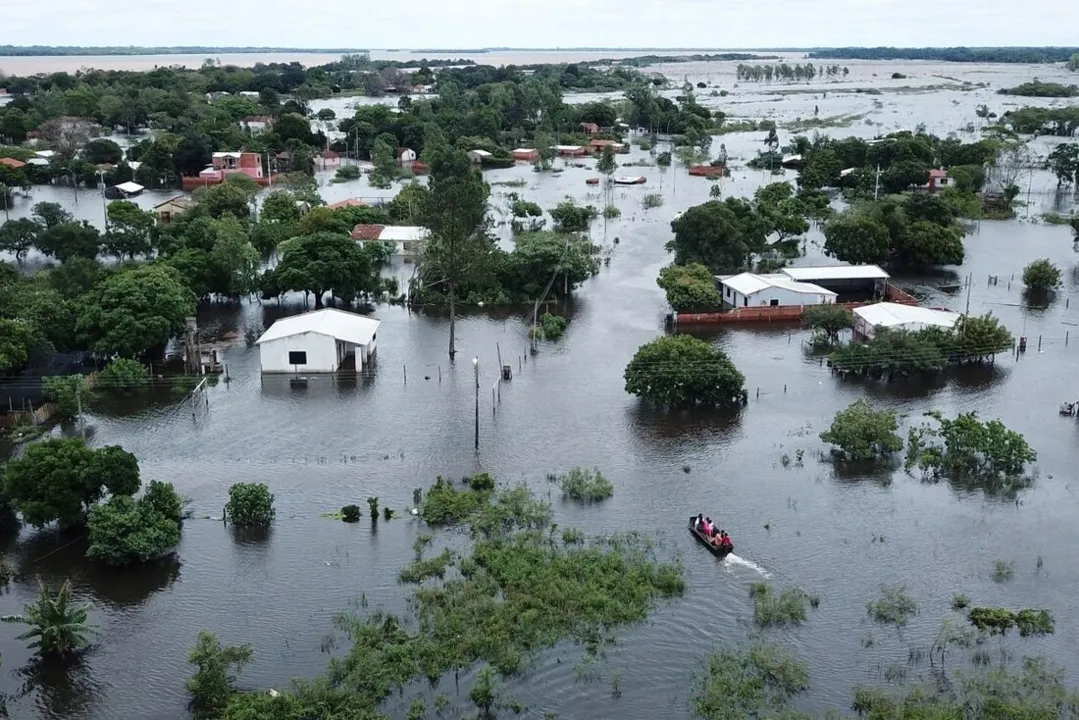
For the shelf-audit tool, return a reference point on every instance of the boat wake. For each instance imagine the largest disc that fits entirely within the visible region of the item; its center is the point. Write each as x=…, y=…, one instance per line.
x=733, y=559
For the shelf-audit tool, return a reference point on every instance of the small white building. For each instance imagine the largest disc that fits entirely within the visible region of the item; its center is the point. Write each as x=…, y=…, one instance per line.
x=478, y=156
x=773, y=290
x=899, y=317
x=406, y=156
x=322, y=341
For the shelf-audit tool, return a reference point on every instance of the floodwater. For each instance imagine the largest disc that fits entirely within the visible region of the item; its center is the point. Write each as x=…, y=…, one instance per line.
x=838, y=535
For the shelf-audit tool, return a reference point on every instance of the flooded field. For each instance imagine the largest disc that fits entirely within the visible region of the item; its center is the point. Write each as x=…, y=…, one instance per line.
x=838, y=536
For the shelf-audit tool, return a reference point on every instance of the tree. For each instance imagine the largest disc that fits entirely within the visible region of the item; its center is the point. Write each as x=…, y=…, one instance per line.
x=384, y=159
x=690, y=288
x=250, y=505
x=978, y=338
x=123, y=374
x=1064, y=162
x=457, y=218
x=325, y=262
x=16, y=339
x=857, y=239
x=862, y=433
x=213, y=682
x=135, y=310
x=18, y=236
x=539, y=256
x=125, y=531
x=924, y=244
x=129, y=230
x=829, y=319
x=980, y=454
x=409, y=206
x=1041, y=276
x=711, y=234
x=66, y=393
x=680, y=370
x=228, y=198
x=235, y=258
x=103, y=151
x=57, y=626
x=280, y=207
x=568, y=216
x=903, y=175
x=69, y=240
x=60, y=479
x=51, y=214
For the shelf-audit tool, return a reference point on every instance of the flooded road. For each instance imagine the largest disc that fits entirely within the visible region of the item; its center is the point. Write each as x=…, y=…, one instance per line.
x=835, y=535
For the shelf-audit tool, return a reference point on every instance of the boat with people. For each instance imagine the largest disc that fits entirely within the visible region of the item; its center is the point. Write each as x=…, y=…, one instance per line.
x=717, y=541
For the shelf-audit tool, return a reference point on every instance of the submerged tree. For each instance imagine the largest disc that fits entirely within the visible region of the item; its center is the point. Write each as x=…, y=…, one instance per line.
x=828, y=319
x=680, y=370
x=1041, y=276
x=862, y=433
x=57, y=626
x=748, y=683
x=690, y=288
x=214, y=680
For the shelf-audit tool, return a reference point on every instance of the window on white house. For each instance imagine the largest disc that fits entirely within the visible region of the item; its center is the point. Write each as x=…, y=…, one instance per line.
x=297, y=357
x=773, y=302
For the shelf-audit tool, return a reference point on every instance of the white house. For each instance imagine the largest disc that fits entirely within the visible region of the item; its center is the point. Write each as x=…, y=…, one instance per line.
x=478, y=156
x=752, y=290
x=322, y=341
x=899, y=317
x=407, y=239
x=406, y=156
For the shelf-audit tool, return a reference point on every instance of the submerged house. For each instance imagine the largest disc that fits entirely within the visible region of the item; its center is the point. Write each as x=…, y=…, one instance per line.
x=322, y=341
x=899, y=317
x=773, y=290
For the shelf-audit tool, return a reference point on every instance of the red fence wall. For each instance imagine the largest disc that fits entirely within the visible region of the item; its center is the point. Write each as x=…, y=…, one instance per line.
x=783, y=313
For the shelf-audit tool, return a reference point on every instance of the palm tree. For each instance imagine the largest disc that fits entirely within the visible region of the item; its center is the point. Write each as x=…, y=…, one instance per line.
x=57, y=627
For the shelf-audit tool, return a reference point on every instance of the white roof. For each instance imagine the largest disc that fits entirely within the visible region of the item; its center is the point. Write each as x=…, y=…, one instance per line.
x=227, y=154
x=130, y=187
x=749, y=283
x=560, y=148
x=888, y=314
x=134, y=164
x=37, y=161
x=846, y=172
x=524, y=150
x=836, y=272
x=482, y=153
x=45, y=153
x=403, y=233
x=338, y=324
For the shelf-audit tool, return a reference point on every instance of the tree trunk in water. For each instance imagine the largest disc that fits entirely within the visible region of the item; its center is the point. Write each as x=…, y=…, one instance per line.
x=318, y=299
x=453, y=317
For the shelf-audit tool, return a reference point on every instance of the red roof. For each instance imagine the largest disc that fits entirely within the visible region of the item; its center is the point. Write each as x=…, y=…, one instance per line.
x=367, y=232
x=12, y=163
x=590, y=128
x=330, y=154
x=938, y=173
x=351, y=202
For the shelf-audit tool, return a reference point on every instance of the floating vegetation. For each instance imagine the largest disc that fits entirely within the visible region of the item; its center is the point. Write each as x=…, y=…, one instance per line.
x=893, y=607
x=584, y=485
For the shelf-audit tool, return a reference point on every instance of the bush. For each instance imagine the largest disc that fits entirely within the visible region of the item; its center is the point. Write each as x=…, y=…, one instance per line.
x=584, y=486
x=553, y=326
x=690, y=288
x=611, y=212
x=481, y=481
x=893, y=607
x=420, y=570
x=862, y=433
x=67, y=393
x=125, y=531
x=1041, y=276
x=372, y=505
x=213, y=682
x=347, y=172
x=123, y=374
x=830, y=319
x=743, y=683
x=652, y=200
x=350, y=513
x=445, y=505
x=786, y=608
x=250, y=505
x=680, y=371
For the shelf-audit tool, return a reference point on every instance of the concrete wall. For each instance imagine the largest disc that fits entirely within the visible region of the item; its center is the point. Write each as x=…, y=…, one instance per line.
x=321, y=354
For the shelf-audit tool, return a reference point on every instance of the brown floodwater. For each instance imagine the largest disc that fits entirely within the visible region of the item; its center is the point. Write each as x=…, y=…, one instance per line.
x=838, y=535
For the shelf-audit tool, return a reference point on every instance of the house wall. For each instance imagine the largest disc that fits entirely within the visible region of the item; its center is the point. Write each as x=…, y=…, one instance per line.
x=734, y=299
x=321, y=354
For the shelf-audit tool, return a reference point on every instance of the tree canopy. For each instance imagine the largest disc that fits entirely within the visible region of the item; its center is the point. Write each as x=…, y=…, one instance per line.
x=325, y=262
x=680, y=370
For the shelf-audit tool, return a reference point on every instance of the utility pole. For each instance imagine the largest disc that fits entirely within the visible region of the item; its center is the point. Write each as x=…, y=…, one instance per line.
x=78, y=402
x=3, y=193
x=876, y=184
x=104, y=201
x=476, y=366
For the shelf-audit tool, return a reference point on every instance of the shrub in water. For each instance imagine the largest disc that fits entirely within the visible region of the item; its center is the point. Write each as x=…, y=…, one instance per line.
x=350, y=513
x=893, y=607
x=585, y=486
x=553, y=326
x=372, y=504
x=250, y=505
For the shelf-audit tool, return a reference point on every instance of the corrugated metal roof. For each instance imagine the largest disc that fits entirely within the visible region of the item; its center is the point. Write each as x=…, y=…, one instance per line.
x=338, y=324
x=130, y=187
x=888, y=314
x=403, y=233
x=836, y=272
x=749, y=283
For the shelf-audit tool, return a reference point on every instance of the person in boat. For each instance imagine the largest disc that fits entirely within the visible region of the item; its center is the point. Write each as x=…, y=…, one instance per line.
x=725, y=541
x=717, y=541
x=708, y=527
x=698, y=522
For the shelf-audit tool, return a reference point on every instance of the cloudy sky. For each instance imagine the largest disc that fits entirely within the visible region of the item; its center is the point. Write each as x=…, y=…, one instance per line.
x=412, y=24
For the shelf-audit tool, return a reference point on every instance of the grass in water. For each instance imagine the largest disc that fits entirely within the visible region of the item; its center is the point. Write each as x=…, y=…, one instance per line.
x=1003, y=571
x=584, y=485
x=788, y=607
x=420, y=570
x=893, y=607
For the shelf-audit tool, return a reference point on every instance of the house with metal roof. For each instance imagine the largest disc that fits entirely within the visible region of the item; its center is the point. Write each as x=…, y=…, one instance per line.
x=322, y=341
x=771, y=290
x=899, y=317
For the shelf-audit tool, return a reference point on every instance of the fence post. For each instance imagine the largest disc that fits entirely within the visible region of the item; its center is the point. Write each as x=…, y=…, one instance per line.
x=404, y=373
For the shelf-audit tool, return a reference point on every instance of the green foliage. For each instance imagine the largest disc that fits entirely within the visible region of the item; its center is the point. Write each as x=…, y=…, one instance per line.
x=1041, y=276
x=681, y=370
x=484, y=693
x=830, y=319
x=19, y=236
x=445, y=505
x=971, y=453
x=123, y=374
x=753, y=682
x=960, y=601
x=606, y=163
x=893, y=606
x=584, y=485
x=998, y=621
x=525, y=208
x=421, y=570
x=70, y=240
x=125, y=531
x=129, y=230
x=346, y=173
x=1037, y=88
x=857, y=239
x=771, y=609
x=65, y=392
x=250, y=505
x=721, y=235
x=537, y=256
x=1003, y=571
x=410, y=205
x=325, y=262
x=690, y=288
x=611, y=212
x=652, y=200
x=1064, y=162
x=862, y=433
x=570, y=217
x=350, y=513
x=61, y=479
x=214, y=680
x=57, y=627
x=553, y=326
x=134, y=310
x=372, y=505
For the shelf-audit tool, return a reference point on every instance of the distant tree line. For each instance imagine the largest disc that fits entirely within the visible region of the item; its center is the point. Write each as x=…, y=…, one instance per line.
x=785, y=71
x=954, y=54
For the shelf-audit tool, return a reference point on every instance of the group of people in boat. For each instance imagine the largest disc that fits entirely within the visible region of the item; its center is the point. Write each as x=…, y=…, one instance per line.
x=718, y=538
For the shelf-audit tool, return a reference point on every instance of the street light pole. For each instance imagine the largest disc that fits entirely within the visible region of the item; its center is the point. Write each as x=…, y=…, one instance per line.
x=476, y=365
x=104, y=202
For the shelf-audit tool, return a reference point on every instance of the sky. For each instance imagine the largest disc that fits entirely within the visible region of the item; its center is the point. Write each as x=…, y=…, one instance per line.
x=417, y=24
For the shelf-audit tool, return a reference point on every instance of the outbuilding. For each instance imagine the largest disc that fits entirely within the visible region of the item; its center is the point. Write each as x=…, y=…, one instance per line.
x=774, y=290
x=899, y=317
x=526, y=154
x=322, y=341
